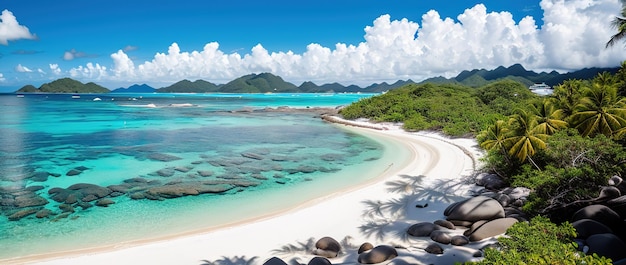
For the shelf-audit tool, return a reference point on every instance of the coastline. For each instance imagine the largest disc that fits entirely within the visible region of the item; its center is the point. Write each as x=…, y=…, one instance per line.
x=442, y=161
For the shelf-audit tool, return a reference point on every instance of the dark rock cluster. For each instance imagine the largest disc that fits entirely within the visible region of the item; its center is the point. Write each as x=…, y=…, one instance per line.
x=327, y=248
x=600, y=223
x=229, y=173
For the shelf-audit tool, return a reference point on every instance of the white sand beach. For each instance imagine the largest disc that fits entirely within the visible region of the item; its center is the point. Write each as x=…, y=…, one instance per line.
x=378, y=212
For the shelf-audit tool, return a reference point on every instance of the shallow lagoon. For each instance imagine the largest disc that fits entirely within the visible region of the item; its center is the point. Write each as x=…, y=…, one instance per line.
x=268, y=162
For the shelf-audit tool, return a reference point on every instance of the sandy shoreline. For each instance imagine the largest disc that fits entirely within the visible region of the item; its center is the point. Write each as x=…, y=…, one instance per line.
x=438, y=164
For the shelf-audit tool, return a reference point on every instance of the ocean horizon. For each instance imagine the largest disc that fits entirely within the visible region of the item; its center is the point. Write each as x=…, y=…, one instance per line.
x=107, y=169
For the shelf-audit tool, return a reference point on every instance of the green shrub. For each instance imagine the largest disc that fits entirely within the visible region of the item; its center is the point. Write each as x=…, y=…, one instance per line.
x=539, y=242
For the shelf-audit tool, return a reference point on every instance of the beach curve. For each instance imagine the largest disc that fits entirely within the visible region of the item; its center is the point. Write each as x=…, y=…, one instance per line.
x=439, y=161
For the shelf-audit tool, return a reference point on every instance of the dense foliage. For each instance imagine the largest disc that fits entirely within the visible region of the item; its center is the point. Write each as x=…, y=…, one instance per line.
x=564, y=147
x=453, y=109
x=539, y=242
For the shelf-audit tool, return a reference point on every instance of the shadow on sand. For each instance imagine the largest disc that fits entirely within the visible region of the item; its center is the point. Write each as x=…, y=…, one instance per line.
x=383, y=220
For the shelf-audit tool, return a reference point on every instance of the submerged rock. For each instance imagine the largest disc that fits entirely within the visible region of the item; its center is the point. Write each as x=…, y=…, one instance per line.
x=43, y=213
x=21, y=214
x=29, y=200
x=104, y=202
x=163, y=157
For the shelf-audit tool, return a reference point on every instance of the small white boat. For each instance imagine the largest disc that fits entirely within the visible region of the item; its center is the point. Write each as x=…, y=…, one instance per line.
x=20, y=95
x=541, y=89
x=97, y=99
x=539, y=86
x=75, y=96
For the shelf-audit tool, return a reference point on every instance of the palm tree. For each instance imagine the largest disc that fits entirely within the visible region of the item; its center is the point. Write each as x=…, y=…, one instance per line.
x=548, y=118
x=600, y=111
x=495, y=137
x=618, y=23
x=620, y=80
x=526, y=137
x=566, y=96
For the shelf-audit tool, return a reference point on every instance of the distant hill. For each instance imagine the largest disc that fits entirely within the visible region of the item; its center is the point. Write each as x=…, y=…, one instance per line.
x=310, y=87
x=261, y=83
x=64, y=85
x=186, y=86
x=481, y=77
x=384, y=86
x=269, y=83
x=143, y=88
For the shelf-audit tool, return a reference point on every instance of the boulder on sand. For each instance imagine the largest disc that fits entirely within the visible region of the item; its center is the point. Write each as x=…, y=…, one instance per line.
x=475, y=209
x=365, y=247
x=492, y=228
x=422, y=229
x=434, y=248
x=378, y=254
x=319, y=261
x=275, y=261
x=440, y=237
x=327, y=247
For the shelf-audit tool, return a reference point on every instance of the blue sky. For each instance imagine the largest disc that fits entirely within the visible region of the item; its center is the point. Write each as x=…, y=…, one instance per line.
x=119, y=43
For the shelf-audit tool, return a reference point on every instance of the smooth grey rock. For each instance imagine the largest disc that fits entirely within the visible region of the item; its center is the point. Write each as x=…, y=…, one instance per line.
x=445, y=223
x=475, y=209
x=274, y=261
x=587, y=227
x=365, y=247
x=492, y=228
x=327, y=247
x=319, y=261
x=608, y=245
x=422, y=229
x=434, y=248
x=440, y=237
x=459, y=240
x=600, y=213
x=378, y=254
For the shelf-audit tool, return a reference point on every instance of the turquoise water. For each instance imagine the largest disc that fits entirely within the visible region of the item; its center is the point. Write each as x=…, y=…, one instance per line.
x=165, y=164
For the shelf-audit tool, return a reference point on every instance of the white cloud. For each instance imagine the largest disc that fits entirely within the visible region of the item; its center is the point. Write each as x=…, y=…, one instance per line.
x=22, y=69
x=572, y=37
x=90, y=71
x=55, y=69
x=2, y=79
x=11, y=30
x=68, y=56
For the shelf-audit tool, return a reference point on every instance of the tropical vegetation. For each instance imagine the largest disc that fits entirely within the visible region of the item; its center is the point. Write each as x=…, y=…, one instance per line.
x=563, y=146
